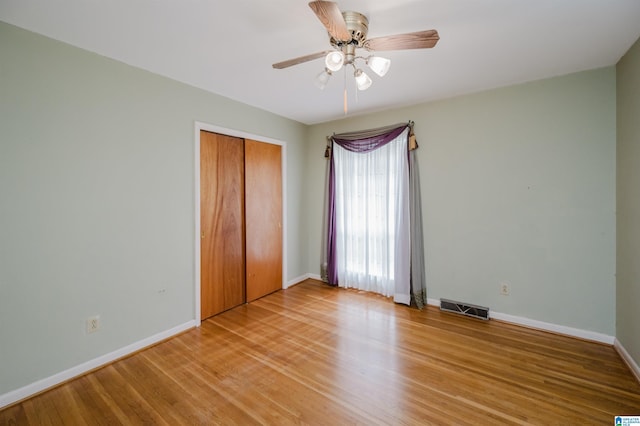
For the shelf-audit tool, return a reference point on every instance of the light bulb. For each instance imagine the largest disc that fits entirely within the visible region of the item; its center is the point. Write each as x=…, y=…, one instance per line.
x=363, y=81
x=334, y=60
x=379, y=65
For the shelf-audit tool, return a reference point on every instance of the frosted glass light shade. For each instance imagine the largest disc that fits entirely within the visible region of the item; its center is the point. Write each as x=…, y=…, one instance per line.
x=322, y=79
x=363, y=81
x=334, y=60
x=379, y=65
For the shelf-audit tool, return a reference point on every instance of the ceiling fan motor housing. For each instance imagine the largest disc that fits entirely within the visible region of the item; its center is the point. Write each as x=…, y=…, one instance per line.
x=358, y=25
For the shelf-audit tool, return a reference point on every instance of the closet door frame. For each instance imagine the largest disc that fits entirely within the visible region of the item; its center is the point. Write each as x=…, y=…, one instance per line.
x=199, y=126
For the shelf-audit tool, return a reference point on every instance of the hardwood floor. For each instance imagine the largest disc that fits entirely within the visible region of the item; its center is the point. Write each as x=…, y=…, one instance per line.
x=313, y=354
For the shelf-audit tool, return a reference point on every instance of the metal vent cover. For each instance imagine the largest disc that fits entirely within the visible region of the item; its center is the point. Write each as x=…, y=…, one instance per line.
x=462, y=308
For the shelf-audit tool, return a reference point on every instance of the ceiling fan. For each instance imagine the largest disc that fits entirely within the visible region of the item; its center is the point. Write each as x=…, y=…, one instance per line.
x=348, y=32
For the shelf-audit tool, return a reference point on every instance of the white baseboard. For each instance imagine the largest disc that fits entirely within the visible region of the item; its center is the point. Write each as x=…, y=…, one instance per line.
x=545, y=326
x=633, y=366
x=555, y=328
x=51, y=381
x=301, y=278
x=296, y=280
x=433, y=302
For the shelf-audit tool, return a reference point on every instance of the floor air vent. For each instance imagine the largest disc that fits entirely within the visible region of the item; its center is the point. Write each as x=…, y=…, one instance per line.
x=464, y=309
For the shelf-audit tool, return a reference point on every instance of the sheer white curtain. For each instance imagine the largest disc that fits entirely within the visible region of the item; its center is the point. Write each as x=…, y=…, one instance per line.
x=372, y=219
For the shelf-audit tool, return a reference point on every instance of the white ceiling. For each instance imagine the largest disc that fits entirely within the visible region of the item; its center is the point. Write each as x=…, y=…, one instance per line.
x=227, y=47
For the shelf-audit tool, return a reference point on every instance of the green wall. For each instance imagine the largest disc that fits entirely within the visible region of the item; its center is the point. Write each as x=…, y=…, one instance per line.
x=518, y=186
x=97, y=201
x=628, y=202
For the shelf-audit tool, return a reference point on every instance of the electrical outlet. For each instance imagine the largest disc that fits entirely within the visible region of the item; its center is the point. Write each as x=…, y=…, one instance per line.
x=504, y=289
x=93, y=324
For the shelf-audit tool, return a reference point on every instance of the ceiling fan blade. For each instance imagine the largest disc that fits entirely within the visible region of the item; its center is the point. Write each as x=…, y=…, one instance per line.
x=299, y=60
x=331, y=17
x=417, y=40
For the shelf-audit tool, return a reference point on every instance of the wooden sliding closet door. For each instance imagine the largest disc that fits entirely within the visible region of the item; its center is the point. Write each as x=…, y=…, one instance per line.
x=222, y=261
x=263, y=182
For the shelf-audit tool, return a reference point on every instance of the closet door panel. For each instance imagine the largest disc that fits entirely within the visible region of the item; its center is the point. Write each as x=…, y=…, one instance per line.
x=263, y=195
x=222, y=258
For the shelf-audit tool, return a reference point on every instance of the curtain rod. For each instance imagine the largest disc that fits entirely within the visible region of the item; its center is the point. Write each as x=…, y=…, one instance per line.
x=370, y=133
x=409, y=123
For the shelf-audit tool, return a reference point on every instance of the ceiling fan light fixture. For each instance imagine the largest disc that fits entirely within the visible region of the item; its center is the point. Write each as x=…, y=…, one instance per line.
x=379, y=65
x=363, y=81
x=322, y=79
x=334, y=60
x=348, y=32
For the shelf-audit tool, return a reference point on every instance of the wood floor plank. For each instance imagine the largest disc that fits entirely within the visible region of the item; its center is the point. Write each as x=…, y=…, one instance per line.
x=314, y=354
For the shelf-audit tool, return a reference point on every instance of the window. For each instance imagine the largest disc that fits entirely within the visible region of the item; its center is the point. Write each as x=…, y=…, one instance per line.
x=372, y=216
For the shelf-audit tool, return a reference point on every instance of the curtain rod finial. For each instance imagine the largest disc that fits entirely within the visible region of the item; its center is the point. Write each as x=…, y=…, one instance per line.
x=327, y=150
x=413, y=142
